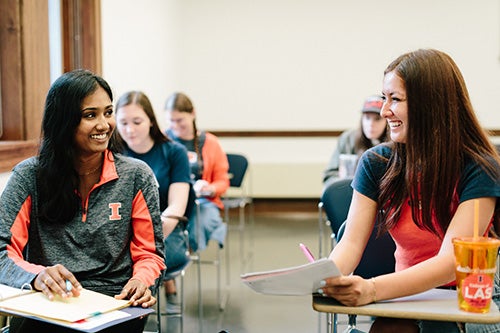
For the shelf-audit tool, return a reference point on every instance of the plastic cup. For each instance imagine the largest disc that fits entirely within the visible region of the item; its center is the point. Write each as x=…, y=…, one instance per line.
x=475, y=263
x=347, y=165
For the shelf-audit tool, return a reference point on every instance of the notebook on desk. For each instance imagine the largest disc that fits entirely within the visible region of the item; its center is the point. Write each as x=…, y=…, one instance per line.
x=70, y=309
x=7, y=292
x=89, y=312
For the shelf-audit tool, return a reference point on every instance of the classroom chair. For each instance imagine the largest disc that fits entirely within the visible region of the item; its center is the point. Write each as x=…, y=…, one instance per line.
x=222, y=295
x=333, y=208
x=168, y=274
x=4, y=324
x=178, y=274
x=239, y=198
x=377, y=259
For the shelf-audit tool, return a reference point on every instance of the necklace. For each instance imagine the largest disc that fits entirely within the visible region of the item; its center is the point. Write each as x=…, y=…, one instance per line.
x=90, y=172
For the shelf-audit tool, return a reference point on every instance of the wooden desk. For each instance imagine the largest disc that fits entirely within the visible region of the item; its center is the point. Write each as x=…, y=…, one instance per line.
x=435, y=304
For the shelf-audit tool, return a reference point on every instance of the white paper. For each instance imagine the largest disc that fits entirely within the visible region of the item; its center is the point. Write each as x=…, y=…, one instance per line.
x=9, y=292
x=297, y=280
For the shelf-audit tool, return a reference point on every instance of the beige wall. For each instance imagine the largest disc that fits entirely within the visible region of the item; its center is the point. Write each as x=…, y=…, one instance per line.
x=290, y=65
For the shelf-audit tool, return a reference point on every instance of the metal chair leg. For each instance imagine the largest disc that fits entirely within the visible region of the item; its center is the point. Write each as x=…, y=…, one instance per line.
x=158, y=310
x=331, y=322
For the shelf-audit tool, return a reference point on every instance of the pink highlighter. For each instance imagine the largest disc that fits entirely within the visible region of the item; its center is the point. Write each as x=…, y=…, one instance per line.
x=307, y=253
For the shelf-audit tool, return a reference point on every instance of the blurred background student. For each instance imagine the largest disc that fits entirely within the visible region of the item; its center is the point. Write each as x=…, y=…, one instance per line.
x=371, y=131
x=143, y=139
x=209, y=169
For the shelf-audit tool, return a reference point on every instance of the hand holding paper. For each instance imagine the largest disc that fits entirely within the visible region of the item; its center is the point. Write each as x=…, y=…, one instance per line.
x=298, y=280
x=69, y=309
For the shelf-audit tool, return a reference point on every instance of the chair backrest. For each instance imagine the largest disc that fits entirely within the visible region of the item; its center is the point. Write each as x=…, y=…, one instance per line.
x=336, y=199
x=378, y=257
x=238, y=165
x=191, y=203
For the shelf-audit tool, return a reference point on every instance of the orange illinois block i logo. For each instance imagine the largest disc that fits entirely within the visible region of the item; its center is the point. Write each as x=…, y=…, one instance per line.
x=115, y=211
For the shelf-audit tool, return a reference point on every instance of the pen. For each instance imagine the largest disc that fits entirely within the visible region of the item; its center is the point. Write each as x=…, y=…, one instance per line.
x=69, y=286
x=306, y=252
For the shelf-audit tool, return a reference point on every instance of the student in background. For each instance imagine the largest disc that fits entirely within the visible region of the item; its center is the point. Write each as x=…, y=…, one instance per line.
x=421, y=187
x=79, y=211
x=209, y=169
x=372, y=130
x=143, y=139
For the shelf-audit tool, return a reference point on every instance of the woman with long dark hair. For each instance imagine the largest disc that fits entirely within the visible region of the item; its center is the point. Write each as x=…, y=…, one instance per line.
x=79, y=211
x=421, y=187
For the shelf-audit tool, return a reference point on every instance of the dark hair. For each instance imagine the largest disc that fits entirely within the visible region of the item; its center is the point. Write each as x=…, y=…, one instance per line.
x=362, y=143
x=180, y=102
x=56, y=175
x=442, y=134
x=140, y=99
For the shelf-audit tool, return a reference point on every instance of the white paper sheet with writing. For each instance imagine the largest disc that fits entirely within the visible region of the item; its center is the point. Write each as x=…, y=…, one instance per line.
x=297, y=280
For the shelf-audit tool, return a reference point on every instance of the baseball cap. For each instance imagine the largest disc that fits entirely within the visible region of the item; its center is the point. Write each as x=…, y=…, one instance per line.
x=373, y=104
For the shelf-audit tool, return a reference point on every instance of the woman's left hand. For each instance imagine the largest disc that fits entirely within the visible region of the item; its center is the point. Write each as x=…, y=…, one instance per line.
x=351, y=290
x=138, y=294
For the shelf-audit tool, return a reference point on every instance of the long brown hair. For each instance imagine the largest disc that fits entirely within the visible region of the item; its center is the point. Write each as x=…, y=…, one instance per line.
x=442, y=134
x=180, y=102
x=362, y=143
x=139, y=98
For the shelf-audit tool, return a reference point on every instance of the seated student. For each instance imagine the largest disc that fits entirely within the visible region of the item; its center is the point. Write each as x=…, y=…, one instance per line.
x=421, y=188
x=138, y=127
x=209, y=169
x=371, y=131
x=79, y=211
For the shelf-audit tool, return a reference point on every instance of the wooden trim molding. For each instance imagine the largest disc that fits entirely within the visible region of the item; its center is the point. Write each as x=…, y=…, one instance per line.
x=289, y=133
x=494, y=132
x=25, y=65
x=36, y=69
x=25, y=77
x=81, y=26
x=11, y=67
x=13, y=152
x=274, y=134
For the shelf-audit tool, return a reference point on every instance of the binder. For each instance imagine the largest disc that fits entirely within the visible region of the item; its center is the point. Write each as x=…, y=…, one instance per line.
x=90, y=312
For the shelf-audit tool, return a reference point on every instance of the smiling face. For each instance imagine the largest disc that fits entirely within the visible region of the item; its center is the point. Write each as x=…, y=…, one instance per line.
x=134, y=126
x=395, y=107
x=96, y=125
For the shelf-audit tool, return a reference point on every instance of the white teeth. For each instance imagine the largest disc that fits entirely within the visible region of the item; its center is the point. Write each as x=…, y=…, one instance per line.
x=394, y=124
x=99, y=136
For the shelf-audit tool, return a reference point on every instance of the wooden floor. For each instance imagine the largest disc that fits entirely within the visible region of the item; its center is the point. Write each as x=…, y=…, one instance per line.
x=272, y=243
